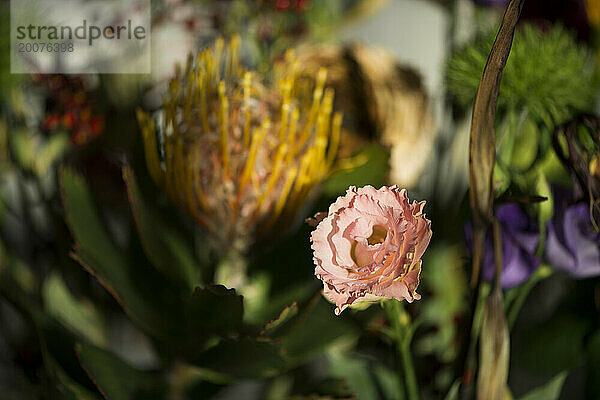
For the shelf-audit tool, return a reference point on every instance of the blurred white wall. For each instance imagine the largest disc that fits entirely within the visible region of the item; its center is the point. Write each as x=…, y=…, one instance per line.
x=415, y=31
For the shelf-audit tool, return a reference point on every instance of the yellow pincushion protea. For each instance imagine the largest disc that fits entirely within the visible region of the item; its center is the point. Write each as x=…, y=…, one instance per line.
x=237, y=152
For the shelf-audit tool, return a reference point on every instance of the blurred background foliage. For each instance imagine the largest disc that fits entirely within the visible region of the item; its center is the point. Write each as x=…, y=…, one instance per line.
x=108, y=290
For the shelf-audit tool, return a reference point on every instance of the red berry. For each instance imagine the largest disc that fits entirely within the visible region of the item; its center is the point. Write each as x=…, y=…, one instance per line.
x=79, y=137
x=282, y=5
x=68, y=120
x=302, y=5
x=97, y=126
x=51, y=122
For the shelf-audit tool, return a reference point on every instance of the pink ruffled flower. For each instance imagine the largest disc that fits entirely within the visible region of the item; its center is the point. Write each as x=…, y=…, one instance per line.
x=370, y=244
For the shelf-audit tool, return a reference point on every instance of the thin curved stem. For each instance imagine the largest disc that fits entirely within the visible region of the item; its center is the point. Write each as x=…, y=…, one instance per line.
x=402, y=332
x=409, y=371
x=541, y=273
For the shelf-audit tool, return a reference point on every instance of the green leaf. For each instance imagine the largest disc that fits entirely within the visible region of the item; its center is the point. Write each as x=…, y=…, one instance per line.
x=592, y=384
x=314, y=329
x=549, y=391
x=555, y=345
x=22, y=148
x=116, y=379
x=166, y=248
x=78, y=316
x=515, y=297
x=444, y=277
x=387, y=379
x=51, y=151
x=453, y=391
x=244, y=358
x=96, y=252
x=328, y=389
x=86, y=225
x=256, y=297
x=214, y=310
x=297, y=284
x=298, y=293
x=318, y=397
x=286, y=314
x=56, y=344
x=70, y=389
x=36, y=153
x=552, y=169
x=368, y=380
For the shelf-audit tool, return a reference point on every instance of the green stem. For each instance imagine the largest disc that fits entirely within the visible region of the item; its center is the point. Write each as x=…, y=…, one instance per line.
x=542, y=272
x=403, y=332
x=409, y=371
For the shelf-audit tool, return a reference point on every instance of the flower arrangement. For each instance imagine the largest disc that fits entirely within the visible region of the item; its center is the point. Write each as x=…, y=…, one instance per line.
x=156, y=238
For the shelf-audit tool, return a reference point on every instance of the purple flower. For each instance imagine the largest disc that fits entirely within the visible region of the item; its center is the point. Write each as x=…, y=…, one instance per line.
x=519, y=240
x=573, y=245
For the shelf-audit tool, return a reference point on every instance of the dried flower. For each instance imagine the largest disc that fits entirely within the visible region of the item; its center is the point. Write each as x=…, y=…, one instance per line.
x=494, y=347
x=371, y=244
x=382, y=99
x=238, y=153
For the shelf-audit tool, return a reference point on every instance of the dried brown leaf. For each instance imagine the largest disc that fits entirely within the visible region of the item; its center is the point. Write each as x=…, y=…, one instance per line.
x=482, y=150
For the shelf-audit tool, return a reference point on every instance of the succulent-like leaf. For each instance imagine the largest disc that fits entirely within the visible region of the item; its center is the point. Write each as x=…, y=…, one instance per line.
x=445, y=279
x=556, y=345
x=592, y=384
x=116, y=379
x=313, y=330
x=56, y=342
x=286, y=314
x=164, y=246
x=549, y=391
x=76, y=315
x=210, y=311
x=70, y=389
x=52, y=150
x=367, y=379
x=99, y=255
x=243, y=358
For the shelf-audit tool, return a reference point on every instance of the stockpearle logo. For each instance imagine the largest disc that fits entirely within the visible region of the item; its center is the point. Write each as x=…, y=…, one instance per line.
x=80, y=36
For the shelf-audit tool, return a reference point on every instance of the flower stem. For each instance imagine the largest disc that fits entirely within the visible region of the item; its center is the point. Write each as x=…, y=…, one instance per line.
x=403, y=332
x=409, y=371
x=541, y=273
